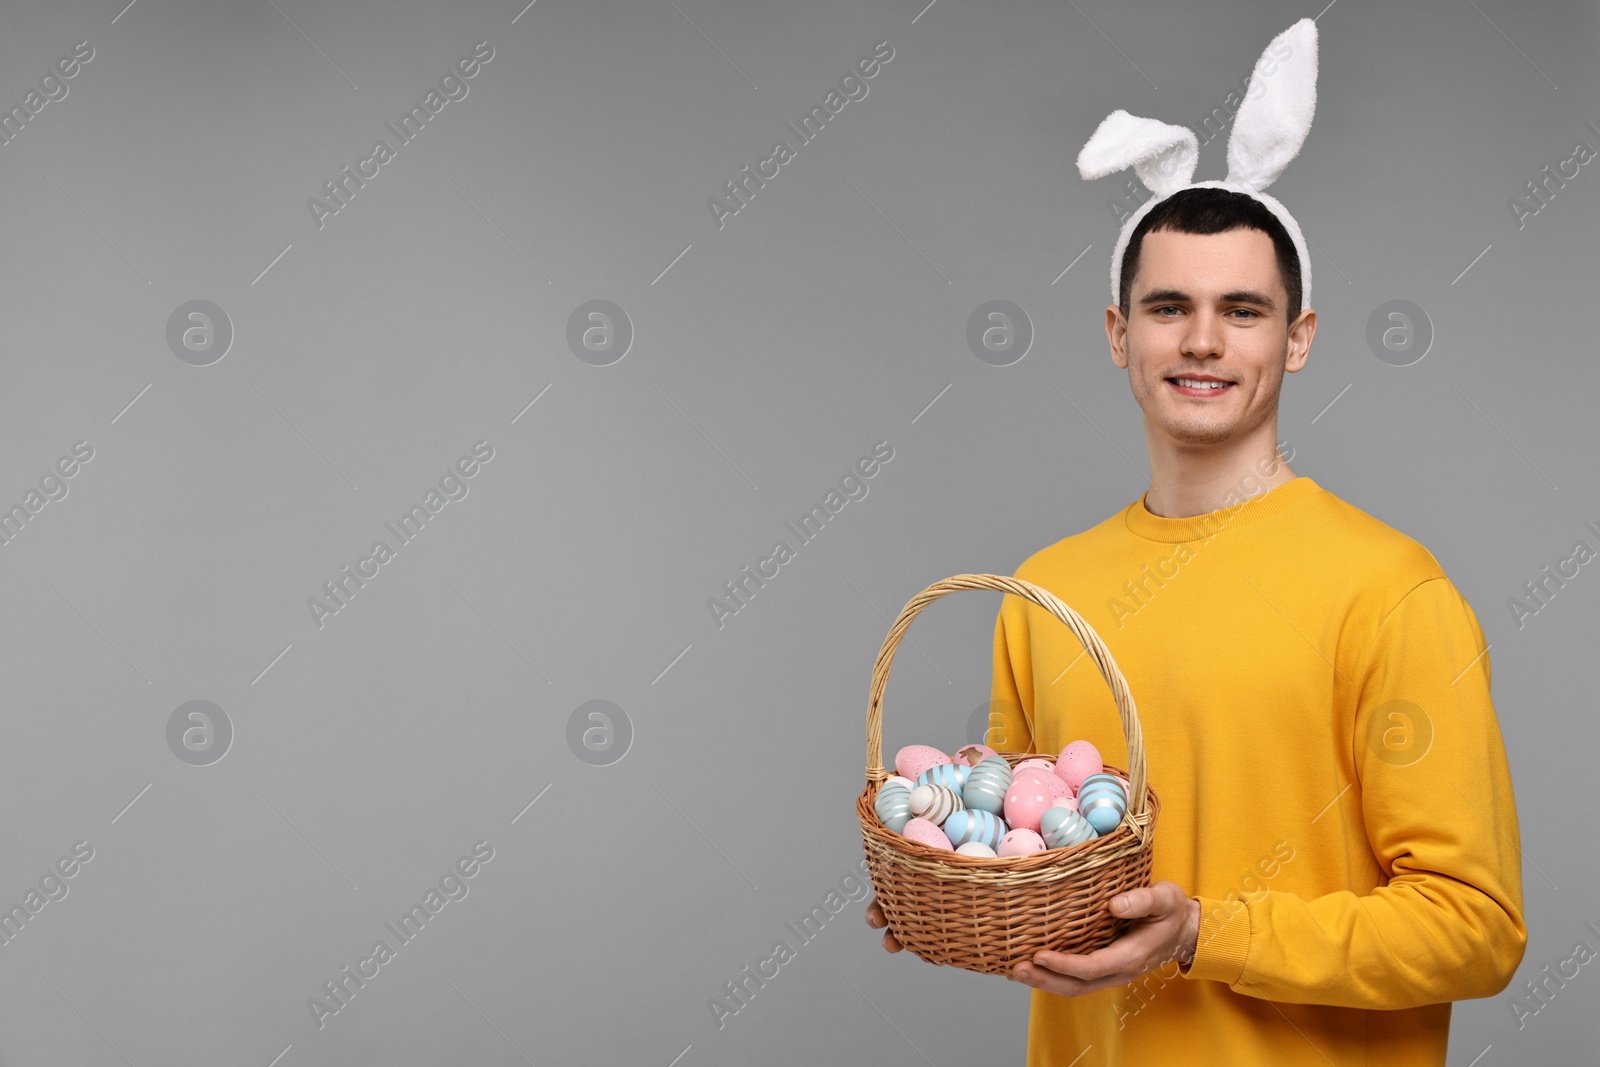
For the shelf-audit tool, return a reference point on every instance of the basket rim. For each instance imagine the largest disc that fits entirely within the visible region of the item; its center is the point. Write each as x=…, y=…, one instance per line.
x=1132, y=730
x=1085, y=855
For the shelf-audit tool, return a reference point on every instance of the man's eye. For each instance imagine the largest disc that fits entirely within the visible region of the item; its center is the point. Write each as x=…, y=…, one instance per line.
x=1247, y=311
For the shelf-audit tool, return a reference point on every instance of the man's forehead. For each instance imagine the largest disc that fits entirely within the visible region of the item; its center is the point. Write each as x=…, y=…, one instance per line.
x=1209, y=263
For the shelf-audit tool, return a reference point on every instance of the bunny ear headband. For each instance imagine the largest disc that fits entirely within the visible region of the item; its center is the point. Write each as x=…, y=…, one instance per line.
x=1268, y=130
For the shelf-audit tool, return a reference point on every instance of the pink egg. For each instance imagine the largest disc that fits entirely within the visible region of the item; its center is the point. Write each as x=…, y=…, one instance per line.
x=1038, y=763
x=1078, y=761
x=1021, y=842
x=926, y=833
x=1057, y=787
x=971, y=754
x=1066, y=802
x=1127, y=787
x=1026, y=800
x=912, y=760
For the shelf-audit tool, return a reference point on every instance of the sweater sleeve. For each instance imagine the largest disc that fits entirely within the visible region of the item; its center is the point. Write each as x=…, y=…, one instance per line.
x=1011, y=692
x=1436, y=804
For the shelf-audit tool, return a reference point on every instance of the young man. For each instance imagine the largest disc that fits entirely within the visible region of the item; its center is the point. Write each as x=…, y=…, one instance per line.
x=1337, y=855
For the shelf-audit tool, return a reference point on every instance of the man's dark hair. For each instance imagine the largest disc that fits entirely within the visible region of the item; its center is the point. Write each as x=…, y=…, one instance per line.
x=1207, y=211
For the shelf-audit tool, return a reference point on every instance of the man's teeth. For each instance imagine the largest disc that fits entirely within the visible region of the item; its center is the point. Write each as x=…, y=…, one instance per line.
x=1192, y=383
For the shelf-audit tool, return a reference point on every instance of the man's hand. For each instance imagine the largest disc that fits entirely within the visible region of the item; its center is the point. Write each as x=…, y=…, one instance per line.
x=1167, y=926
x=877, y=920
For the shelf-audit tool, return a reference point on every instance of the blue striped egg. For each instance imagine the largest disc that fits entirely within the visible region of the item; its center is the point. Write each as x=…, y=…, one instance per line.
x=1063, y=828
x=980, y=826
x=996, y=765
x=987, y=784
x=1102, y=802
x=893, y=806
x=953, y=776
x=936, y=803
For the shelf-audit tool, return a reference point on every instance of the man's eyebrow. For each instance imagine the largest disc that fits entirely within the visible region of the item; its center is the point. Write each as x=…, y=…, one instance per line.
x=1236, y=296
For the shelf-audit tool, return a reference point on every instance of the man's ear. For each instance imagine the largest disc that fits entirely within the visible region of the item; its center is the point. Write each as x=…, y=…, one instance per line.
x=1301, y=331
x=1117, y=335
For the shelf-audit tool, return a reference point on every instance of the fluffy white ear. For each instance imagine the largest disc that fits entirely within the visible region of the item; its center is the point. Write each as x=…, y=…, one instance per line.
x=1162, y=155
x=1273, y=122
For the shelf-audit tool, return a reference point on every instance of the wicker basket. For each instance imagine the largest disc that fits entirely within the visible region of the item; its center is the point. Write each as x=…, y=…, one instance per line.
x=988, y=915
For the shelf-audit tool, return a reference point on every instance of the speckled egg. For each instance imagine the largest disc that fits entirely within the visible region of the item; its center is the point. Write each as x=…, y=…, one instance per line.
x=935, y=803
x=926, y=833
x=1020, y=842
x=1026, y=800
x=1078, y=761
x=914, y=759
x=953, y=776
x=1058, y=789
x=1102, y=801
x=1063, y=828
x=969, y=825
x=971, y=755
x=1038, y=763
x=893, y=805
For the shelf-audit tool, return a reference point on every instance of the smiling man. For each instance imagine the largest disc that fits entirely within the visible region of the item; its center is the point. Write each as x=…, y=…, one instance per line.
x=1336, y=858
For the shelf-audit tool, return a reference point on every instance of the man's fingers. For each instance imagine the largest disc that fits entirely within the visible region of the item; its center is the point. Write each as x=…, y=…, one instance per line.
x=877, y=920
x=1157, y=899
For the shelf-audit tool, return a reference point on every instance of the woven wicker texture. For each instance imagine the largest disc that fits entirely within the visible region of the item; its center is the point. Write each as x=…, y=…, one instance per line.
x=988, y=915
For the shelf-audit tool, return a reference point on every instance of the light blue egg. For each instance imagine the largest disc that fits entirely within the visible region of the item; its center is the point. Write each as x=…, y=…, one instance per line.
x=987, y=784
x=986, y=793
x=1102, y=802
x=995, y=765
x=1063, y=828
x=969, y=825
x=953, y=776
x=893, y=806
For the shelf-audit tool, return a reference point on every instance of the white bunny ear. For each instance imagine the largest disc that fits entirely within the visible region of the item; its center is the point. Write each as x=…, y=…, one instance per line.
x=1273, y=122
x=1161, y=154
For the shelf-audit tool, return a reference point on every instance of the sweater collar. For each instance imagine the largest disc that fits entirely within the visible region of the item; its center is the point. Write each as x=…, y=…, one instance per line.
x=1143, y=523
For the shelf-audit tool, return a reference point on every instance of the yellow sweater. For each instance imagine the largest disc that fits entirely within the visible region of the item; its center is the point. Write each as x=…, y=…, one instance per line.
x=1314, y=694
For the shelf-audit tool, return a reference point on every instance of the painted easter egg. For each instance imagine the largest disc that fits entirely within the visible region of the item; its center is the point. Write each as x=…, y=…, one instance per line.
x=1037, y=763
x=993, y=767
x=1070, y=803
x=1058, y=788
x=1026, y=800
x=893, y=805
x=985, y=794
x=976, y=848
x=971, y=755
x=987, y=784
x=926, y=833
x=1102, y=801
x=1063, y=828
x=1020, y=842
x=953, y=776
x=936, y=803
x=1078, y=761
x=969, y=825
x=895, y=779
x=914, y=759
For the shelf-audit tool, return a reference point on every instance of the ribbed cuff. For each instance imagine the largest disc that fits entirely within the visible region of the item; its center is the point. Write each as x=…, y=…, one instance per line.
x=1224, y=941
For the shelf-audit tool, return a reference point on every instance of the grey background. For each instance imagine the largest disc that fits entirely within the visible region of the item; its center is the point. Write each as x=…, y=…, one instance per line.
x=369, y=754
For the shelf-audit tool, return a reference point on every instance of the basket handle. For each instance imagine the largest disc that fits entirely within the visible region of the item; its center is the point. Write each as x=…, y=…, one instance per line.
x=1055, y=606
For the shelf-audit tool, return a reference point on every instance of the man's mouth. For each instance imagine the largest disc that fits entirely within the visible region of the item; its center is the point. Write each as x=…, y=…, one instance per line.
x=1199, y=387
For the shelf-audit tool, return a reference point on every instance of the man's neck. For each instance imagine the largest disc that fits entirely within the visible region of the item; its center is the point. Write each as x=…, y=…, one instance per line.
x=1186, y=481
